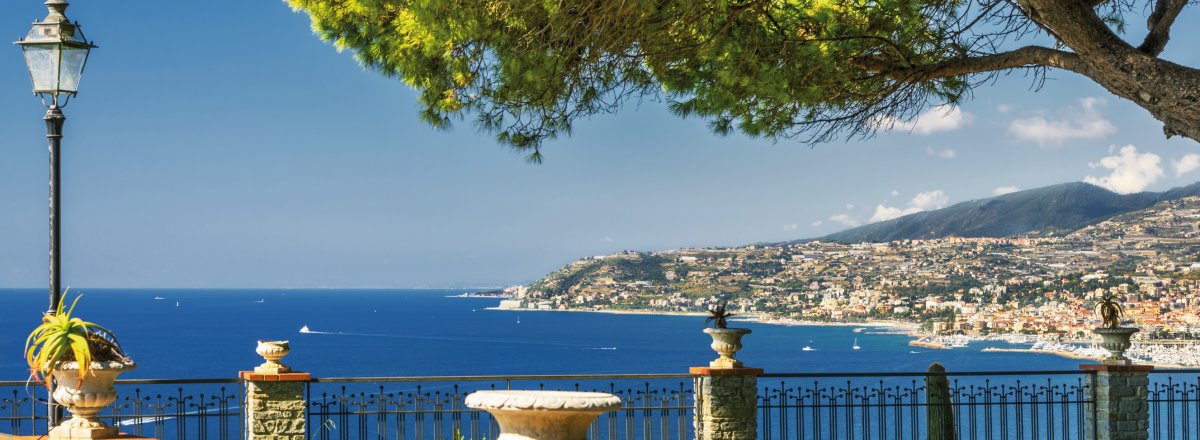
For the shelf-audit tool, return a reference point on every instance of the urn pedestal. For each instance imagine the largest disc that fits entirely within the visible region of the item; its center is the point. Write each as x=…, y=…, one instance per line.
x=726, y=342
x=85, y=398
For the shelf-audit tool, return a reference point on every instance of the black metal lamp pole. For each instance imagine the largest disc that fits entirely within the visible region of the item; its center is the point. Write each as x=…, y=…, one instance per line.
x=55, y=52
x=54, y=129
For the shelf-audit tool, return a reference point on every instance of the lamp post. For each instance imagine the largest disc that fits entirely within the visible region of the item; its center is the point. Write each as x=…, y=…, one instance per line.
x=55, y=52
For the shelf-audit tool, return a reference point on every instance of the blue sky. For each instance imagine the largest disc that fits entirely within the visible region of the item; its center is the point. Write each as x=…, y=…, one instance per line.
x=221, y=144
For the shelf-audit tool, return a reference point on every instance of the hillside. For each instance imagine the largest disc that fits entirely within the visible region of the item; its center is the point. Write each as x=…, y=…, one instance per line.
x=1038, y=284
x=1057, y=209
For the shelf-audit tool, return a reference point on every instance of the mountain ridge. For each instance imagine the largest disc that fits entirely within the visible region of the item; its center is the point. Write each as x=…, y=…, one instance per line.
x=1049, y=210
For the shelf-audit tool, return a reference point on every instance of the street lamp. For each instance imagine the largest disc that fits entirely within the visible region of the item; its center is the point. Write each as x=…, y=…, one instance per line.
x=55, y=52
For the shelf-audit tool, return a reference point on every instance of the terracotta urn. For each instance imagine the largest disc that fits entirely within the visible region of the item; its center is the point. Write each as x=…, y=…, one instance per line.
x=85, y=398
x=1116, y=341
x=272, y=352
x=726, y=342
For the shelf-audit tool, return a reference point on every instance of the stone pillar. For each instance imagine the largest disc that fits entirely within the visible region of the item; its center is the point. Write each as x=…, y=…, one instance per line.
x=275, y=406
x=726, y=403
x=1122, y=411
x=939, y=413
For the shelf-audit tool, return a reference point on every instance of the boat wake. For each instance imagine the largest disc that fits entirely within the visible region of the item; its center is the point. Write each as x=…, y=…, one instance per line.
x=309, y=331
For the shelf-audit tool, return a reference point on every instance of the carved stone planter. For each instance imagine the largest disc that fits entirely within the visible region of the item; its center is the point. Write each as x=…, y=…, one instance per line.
x=272, y=352
x=543, y=415
x=1116, y=341
x=84, y=399
x=726, y=342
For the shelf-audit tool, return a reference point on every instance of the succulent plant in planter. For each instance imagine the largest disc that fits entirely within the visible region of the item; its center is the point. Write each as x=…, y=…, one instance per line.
x=726, y=341
x=84, y=359
x=1114, y=338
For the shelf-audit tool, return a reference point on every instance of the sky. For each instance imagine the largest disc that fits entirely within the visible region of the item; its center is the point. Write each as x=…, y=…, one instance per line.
x=221, y=144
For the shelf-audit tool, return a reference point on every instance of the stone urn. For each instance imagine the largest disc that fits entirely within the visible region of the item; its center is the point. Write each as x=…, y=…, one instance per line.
x=543, y=415
x=1116, y=341
x=272, y=352
x=84, y=399
x=726, y=342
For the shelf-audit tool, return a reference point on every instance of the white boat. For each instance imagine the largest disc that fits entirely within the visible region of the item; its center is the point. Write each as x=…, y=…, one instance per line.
x=859, y=330
x=159, y=297
x=305, y=329
x=806, y=348
x=856, y=347
x=261, y=301
x=518, y=319
x=176, y=303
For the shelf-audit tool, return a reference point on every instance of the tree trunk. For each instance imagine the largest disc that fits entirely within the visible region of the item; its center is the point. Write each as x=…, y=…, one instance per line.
x=1170, y=92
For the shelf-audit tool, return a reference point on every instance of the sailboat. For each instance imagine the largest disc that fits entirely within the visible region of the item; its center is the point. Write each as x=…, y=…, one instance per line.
x=806, y=348
x=856, y=347
x=305, y=329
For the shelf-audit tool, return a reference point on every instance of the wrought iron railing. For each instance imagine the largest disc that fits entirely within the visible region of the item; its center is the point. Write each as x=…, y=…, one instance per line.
x=186, y=409
x=654, y=406
x=992, y=405
x=1174, y=400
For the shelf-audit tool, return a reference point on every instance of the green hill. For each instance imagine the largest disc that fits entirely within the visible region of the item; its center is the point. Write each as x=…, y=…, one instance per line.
x=1053, y=209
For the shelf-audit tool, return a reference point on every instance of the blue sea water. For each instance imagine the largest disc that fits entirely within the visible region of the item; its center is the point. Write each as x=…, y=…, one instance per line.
x=212, y=334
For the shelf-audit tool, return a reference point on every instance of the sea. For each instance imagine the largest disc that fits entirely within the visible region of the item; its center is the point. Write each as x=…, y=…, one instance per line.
x=212, y=333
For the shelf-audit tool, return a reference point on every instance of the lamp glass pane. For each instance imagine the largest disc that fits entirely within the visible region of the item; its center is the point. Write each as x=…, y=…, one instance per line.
x=43, y=66
x=71, y=68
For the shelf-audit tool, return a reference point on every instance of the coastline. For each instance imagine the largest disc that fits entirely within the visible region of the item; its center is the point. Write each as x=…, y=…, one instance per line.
x=904, y=328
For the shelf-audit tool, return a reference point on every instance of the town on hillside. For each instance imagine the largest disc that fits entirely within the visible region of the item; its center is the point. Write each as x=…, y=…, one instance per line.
x=1043, y=285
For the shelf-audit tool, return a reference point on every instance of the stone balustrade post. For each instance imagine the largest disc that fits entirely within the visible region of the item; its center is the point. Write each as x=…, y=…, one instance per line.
x=1122, y=410
x=275, y=402
x=726, y=403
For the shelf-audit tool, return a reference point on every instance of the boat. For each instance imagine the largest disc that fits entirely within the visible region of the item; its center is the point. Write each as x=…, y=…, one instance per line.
x=856, y=347
x=518, y=319
x=176, y=303
x=305, y=329
x=159, y=297
x=859, y=330
x=806, y=348
x=261, y=301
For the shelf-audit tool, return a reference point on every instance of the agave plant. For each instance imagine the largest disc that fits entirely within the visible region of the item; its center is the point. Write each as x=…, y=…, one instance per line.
x=62, y=338
x=1110, y=311
x=718, y=316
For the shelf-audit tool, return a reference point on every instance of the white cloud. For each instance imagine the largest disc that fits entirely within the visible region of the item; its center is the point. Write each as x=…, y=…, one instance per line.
x=846, y=219
x=608, y=239
x=1002, y=190
x=816, y=223
x=885, y=213
x=1083, y=122
x=947, y=153
x=925, y=201
x=1003, y=108
x=895, y=193
x=946, y=117
x=1186, y=164
x=791, y=227
x=1131, y=171
x=849, y=206
x=930, y=200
